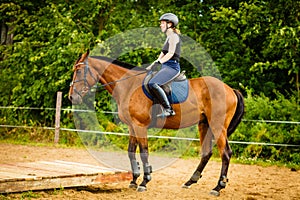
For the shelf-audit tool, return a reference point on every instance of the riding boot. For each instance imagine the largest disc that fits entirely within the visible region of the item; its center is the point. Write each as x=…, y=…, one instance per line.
x=161, y=96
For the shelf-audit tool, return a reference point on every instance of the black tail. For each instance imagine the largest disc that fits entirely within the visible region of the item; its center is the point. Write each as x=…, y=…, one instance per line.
x=239, y=112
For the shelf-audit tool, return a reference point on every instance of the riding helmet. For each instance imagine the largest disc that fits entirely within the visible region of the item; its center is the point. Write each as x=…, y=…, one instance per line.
x=169, y=17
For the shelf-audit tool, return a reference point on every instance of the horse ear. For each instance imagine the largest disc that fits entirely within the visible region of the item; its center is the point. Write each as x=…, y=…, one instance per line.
x=84, y=56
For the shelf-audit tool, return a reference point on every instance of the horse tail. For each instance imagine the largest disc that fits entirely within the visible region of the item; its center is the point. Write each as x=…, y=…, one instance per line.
x=239, y=112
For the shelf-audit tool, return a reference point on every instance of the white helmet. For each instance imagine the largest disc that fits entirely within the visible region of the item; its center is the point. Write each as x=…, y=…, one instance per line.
x=169, y=17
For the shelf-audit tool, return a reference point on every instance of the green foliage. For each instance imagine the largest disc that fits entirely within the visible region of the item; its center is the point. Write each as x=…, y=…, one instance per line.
x=39, y=62
x=262, y=108
x=253, y=42
x=29, y=195
x=258, y=45
x=37, y=135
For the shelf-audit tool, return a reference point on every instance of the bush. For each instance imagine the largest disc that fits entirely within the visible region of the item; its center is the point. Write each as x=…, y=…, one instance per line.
x=262, y=108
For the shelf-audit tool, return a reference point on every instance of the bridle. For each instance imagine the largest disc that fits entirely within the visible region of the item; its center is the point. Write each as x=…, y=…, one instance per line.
x=87, y=87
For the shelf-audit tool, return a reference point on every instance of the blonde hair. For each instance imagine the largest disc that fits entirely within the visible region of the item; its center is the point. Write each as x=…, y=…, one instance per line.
x=176, y=30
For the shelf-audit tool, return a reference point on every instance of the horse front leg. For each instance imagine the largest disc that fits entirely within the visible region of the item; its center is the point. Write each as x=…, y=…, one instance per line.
x=133, y=162
x=206, y=152
x=143, y=145
x=138, y=136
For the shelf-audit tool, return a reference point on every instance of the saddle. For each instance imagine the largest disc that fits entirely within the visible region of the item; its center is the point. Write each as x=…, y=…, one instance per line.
x=176, y=90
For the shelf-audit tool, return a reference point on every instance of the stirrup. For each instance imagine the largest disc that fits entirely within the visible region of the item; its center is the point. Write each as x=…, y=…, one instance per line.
x=166, y=113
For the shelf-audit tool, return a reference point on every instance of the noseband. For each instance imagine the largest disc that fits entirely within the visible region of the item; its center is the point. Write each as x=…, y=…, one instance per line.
x=87, y=86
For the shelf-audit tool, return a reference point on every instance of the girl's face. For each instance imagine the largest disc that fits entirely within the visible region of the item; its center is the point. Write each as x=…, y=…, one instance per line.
x=163, y=26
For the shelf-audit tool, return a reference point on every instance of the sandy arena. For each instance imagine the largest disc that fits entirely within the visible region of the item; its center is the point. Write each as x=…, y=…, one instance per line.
x=245, y=181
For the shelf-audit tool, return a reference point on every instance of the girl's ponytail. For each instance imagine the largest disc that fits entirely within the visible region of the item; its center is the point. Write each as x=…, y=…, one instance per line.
x=176, y=30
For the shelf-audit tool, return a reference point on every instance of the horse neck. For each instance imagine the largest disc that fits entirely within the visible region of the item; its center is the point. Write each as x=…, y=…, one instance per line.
x=110, y=73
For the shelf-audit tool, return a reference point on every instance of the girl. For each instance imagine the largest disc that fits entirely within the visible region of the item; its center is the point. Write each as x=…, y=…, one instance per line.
x=169, y=58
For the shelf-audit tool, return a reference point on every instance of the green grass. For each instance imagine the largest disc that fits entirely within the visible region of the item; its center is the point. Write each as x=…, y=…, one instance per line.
x=31, y=194
x=22, y=196
x=265, y=163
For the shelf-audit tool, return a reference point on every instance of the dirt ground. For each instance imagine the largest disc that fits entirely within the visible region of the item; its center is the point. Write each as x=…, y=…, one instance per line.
x=245, y=181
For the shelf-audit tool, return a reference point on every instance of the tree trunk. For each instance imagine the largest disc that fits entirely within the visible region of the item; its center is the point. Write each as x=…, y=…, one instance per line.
x=297, y=86
x=3, y=33
x=6, y=37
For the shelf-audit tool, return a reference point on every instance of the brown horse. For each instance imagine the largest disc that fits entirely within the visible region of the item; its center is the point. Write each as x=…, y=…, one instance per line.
x=216, y=108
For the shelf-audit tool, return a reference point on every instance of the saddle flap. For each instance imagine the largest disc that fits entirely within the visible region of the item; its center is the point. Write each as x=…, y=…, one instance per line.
x=180, y=83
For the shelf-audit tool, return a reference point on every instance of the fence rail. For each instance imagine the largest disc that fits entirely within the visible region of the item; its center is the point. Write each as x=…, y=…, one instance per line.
x=152, y=136
x=111, y=112
x=57, y=127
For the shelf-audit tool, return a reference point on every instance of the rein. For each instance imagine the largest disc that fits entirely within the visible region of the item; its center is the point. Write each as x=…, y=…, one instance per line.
x=122, y=79
x=102, y=85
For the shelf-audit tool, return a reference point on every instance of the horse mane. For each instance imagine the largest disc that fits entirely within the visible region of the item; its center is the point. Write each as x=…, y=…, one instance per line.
x=119, y=63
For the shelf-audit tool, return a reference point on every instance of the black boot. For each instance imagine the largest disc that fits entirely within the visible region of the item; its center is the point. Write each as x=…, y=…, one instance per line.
x=159, y=93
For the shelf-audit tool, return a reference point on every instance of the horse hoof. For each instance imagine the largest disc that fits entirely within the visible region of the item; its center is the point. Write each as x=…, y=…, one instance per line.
x=214, y=193
x=141, y=189
x=186, y=186
x=133, y=185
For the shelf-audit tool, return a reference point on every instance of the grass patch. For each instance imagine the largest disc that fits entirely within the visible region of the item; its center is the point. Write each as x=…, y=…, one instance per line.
x=265, y=163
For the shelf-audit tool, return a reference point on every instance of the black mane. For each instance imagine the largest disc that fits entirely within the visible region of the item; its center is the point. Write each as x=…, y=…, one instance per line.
x=117, y=62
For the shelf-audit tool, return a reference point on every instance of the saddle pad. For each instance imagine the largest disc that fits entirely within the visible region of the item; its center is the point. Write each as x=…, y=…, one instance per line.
x=179, y=94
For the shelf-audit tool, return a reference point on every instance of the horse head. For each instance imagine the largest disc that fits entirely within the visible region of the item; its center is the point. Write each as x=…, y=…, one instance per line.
x=84, y=78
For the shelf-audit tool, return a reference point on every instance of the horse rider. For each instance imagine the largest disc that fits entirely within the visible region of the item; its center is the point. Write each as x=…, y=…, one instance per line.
x=169, y=58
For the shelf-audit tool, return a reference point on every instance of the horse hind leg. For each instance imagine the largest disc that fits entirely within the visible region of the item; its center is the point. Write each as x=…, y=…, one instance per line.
x=226, y=153
x=206, y=152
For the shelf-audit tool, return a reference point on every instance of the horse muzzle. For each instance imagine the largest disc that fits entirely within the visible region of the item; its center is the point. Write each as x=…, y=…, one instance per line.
x=75, y=99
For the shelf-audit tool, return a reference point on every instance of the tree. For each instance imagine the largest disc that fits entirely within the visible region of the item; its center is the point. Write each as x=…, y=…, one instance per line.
x=255, y=45
x=46, y=41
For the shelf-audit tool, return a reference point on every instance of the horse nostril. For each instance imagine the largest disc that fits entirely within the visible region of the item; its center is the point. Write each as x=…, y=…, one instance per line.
x=70, y=97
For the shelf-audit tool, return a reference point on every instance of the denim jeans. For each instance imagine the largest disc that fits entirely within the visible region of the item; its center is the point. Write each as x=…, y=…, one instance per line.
x=168, y=72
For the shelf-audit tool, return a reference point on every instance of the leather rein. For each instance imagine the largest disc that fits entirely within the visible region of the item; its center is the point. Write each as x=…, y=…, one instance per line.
x=87, y=87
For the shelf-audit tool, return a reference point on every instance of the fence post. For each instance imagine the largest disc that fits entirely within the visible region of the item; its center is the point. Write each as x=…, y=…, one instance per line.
x=57, y=117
